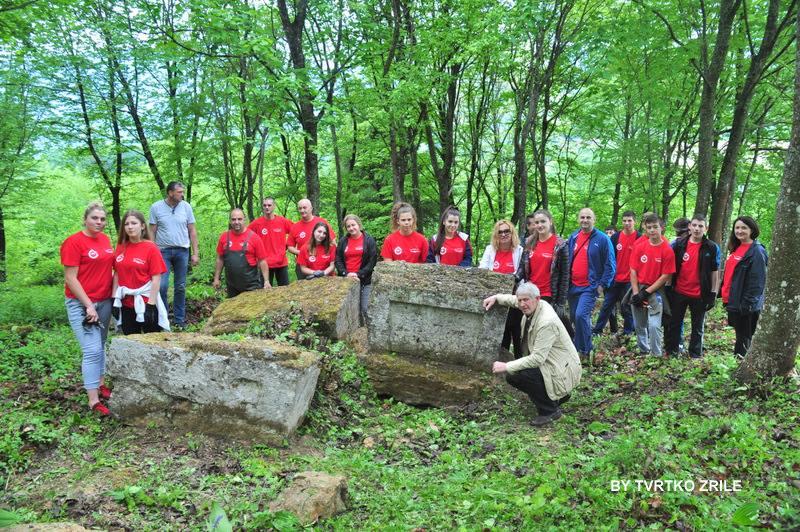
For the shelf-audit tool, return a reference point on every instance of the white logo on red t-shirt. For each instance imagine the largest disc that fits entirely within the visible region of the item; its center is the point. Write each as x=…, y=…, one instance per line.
x=496, y=265
x=398, y=250
x=302, y=234
x=414, y=250
x=737, y=258
x=443, y=251
x=121, y=257
x=686, y=257
x=109, y=250
x=643, y=259
x=547, y=255
x=92, y=254
x=619, y=247
x=264, y=231
x=137, y=260
x=312, y=258
x=277, y=230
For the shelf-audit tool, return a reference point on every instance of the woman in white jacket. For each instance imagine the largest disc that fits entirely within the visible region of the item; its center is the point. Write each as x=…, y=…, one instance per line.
x=138, y=266
x=503, y=256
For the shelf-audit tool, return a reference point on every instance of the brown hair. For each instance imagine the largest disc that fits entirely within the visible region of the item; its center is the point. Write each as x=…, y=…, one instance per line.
x=123, y=238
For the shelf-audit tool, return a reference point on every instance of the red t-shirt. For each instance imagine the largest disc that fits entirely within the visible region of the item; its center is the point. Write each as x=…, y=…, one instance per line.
x=504, y=262
x=688, y=282
x=319, y=261
x=273, y=237
x=94, y=258
x=452, y=251
x=354, y=253
x=412, y=248
x=580, y=260
x=255, y=249
x=541, y=259
x=731, y=263
x=300, y=233
x=651, y=262
x=625, y=245
x=136, y=264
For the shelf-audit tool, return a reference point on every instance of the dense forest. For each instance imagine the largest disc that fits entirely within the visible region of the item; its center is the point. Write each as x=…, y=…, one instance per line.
x=496, y=107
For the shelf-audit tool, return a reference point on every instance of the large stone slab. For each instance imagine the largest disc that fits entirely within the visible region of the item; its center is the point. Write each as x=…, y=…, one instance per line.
x=435, y=312
x=331, y=301
x=247, y=388
x=421, y=382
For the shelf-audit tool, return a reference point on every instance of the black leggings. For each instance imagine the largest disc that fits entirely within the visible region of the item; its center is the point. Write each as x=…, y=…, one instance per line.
x=565, y=319
x=744, y=323
x=513, y=330
x=131, y=326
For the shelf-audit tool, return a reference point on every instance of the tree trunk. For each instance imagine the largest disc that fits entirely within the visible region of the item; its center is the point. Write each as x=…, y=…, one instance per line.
x=723, y=195
x=777, y=339
x=710, y=75
x=3, y=269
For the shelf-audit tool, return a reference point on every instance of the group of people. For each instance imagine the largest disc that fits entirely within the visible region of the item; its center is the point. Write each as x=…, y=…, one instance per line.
x=549, y=323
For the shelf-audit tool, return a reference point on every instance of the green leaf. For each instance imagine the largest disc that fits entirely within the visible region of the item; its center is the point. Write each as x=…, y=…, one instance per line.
x=217, y=520
x=597, y=427
x=8, y=518
x=747, y=515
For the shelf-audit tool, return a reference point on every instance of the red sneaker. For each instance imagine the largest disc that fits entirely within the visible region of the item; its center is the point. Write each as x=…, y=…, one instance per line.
x=101, y=409
x=104, y=392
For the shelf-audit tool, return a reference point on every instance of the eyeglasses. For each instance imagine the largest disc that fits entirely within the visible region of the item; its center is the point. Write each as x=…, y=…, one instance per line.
x=504, y=232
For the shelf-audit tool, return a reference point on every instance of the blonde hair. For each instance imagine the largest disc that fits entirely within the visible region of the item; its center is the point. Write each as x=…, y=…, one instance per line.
x=355, y=218
x=93, y=206
x=496, y=236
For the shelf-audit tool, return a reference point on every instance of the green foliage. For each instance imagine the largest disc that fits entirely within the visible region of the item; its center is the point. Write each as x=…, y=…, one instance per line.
x=40, y=305
x=217, y=520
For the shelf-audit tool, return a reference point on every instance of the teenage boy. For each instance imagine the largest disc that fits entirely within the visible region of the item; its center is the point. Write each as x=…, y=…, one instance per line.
x=622, y=242
x=695, y=285
x=652, y=264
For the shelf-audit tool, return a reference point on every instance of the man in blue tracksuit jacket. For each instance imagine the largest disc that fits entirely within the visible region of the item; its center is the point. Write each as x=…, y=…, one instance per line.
x=592, y=268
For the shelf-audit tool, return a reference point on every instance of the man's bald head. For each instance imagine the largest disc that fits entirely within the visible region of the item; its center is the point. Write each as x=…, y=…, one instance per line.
x=305, y=209
x=586, y=219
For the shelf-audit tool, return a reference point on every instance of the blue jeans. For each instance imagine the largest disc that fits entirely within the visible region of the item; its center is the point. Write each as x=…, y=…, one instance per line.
x=92, y=339
x=613, y=297
x=647, y=321
x=581, y=305
x=177, y=260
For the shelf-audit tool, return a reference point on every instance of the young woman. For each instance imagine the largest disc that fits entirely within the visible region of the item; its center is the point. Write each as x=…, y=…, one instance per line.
x=545, y=263
x=450, y=246
x=87, y=257
x=503, y=255
x=356, y=256
x=405, y=243
x=138, y=266
x=744, y=280
x=317, y=257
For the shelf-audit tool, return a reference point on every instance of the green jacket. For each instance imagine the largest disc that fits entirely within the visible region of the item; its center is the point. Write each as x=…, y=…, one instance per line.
x=550, y=349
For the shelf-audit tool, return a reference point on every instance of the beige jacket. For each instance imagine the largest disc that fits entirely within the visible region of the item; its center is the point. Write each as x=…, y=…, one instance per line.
x=550, y=349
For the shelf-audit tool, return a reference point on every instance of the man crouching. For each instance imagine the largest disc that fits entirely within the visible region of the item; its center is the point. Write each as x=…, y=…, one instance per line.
x=548, y=368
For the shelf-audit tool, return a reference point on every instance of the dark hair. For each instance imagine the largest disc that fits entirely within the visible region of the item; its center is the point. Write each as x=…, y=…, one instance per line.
x=733, y=242
x=326, y=243
x=401, y=207
x=547, y=214
x=123, y=237
x=650, y=218
x=172, y=185
x=611, y=228
x=440, y=235
x=699, y=217
x=629, y=214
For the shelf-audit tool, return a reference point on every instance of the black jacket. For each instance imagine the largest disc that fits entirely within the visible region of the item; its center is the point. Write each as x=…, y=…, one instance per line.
x=708, y=263
x=368, y=260
x=559, y=270
x=749, y=279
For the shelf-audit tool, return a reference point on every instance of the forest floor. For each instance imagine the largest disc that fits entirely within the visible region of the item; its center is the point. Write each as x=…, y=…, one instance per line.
x=480, y=467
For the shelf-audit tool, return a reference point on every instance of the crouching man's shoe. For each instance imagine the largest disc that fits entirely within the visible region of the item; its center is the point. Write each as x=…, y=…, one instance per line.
x=540, y=421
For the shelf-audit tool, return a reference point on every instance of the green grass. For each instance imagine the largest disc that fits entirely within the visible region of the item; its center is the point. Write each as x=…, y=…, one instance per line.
x=412, y=468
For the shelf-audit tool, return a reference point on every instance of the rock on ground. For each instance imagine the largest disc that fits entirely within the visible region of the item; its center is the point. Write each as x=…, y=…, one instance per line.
x=313, y=495
x=247, y=388
x=332, y=302
x=436, y=313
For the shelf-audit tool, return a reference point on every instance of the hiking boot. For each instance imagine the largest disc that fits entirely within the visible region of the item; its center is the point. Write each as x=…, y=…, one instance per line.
x=540, y=421
x=104, y=392
x=101, y=409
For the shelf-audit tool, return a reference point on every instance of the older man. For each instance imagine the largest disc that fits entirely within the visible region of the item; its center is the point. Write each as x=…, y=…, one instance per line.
x=273, y=230
x=548, y=368
x=242, y=254
x=172, y=225
x=301, y=231
x=592, y=269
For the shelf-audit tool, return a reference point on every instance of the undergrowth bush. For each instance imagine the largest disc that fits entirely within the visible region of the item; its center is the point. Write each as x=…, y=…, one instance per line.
x=40, y=305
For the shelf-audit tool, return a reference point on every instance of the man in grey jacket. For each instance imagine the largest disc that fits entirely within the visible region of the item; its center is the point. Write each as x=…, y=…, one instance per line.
x=548, y=368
